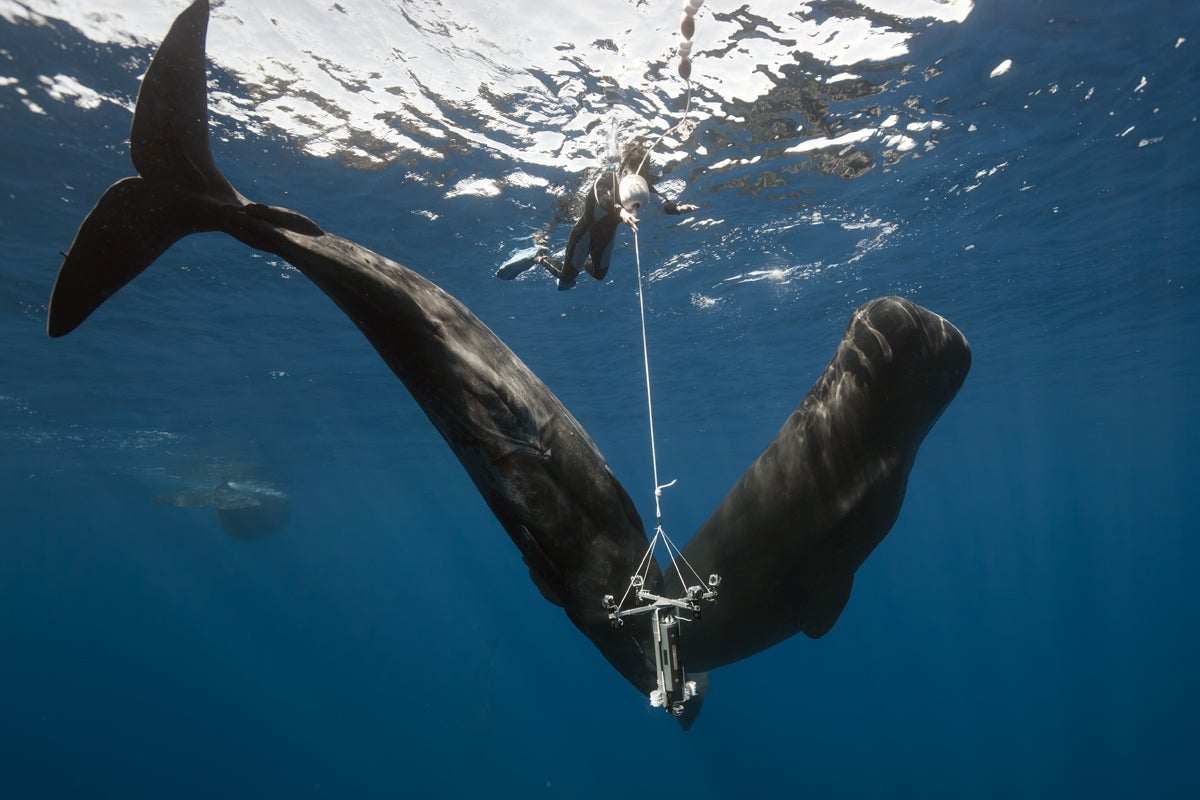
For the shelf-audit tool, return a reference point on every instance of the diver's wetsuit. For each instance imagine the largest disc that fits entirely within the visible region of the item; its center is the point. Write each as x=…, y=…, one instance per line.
x=590, y=245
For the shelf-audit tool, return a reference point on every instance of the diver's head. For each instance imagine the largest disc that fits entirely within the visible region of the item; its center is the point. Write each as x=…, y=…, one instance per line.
x=636, y=158
x=633, y=192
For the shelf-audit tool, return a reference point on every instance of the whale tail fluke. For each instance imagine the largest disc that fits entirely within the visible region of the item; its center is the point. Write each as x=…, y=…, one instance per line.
x=138, y=218
x=130, y=227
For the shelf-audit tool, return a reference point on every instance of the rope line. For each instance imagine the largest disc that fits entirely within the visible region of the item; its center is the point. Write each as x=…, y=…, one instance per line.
x=675, y=554
x=680, y=127
x=676, y=557
x=658, y=487
x=687, y=28
x=642, y=573
x=687, y=25
x=643, y=566
x=638, y=579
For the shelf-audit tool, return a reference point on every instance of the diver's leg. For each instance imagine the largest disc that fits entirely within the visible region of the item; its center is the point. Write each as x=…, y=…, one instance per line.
x=601, y=253
x=561, y=270
x=579, y=244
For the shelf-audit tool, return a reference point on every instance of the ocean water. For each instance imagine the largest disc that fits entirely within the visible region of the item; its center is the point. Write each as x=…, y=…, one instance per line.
x=1026, y=169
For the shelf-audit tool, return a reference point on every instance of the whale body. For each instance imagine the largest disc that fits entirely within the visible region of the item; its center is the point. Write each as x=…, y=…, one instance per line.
x=788, y=537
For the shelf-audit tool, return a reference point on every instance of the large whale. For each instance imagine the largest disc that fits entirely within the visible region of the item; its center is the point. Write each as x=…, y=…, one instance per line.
x=794, y=528
x=786, y=540
x=247, y=508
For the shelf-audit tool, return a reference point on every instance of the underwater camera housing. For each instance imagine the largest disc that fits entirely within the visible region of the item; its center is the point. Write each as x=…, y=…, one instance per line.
x=674, y=689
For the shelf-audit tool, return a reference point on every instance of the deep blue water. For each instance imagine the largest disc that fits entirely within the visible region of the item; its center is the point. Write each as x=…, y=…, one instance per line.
x=1028, y=628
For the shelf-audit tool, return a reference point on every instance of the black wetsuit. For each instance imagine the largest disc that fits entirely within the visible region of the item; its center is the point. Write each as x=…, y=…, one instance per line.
x=590, y=245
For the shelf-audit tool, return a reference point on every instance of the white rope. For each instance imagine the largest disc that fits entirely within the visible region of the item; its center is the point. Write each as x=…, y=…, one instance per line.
x=689, y=9
x=658, y=487
x=687, y=24
x=641, y=575
x=674, y=553
x=682, y=128
x=676, y=557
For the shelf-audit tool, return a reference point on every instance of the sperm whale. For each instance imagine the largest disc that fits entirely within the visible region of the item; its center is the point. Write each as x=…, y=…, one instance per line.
x=788, y=537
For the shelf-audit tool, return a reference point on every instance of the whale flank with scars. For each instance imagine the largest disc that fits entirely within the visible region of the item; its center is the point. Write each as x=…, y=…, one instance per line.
x=786, y=540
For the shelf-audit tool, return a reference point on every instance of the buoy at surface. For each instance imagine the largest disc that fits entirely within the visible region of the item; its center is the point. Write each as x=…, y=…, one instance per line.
x=687, y=25
x=687, y=28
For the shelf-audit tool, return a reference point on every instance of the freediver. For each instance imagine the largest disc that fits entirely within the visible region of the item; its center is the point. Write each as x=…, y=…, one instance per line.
x=614, y=196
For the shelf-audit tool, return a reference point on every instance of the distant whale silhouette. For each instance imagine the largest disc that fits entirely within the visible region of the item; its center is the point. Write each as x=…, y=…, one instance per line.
x=786, y=540
x=246, y=508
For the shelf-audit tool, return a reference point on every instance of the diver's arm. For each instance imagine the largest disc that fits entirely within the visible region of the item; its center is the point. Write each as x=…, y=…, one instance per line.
x=628, y=217
x=670, y=206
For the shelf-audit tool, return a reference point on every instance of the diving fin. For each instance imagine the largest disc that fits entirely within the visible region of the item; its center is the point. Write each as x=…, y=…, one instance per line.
x=519, y=262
